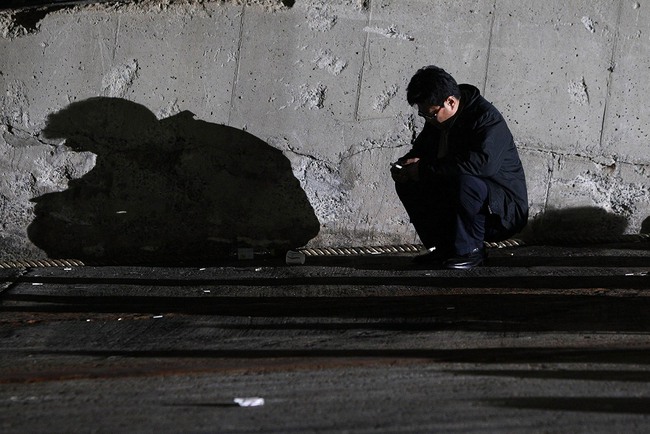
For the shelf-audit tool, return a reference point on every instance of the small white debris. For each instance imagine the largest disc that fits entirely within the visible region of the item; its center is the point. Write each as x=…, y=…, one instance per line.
x=37, y=284
x=206, y=290
x=249, y=402
x=201, y=269
x=68, y=269
x=121, y=212
x=258, y=269
x=157, y=316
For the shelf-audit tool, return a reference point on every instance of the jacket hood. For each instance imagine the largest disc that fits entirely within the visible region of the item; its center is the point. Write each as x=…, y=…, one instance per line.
x=468, y=94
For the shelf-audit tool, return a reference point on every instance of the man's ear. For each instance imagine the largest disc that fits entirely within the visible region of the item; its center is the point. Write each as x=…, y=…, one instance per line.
x=453, y=103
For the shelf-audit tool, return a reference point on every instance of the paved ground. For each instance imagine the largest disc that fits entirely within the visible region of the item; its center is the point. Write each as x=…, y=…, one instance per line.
x=543, y=339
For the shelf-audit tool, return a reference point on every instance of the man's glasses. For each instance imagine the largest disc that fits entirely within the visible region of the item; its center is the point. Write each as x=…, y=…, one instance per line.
x=427, y=116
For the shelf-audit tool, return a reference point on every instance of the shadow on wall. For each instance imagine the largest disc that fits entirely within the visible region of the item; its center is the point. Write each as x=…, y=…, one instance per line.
x=645, y=226
x=575, y=225
x=167, y=190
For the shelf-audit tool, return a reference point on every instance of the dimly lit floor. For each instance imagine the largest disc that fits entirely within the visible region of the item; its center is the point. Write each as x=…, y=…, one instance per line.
x=542, y=339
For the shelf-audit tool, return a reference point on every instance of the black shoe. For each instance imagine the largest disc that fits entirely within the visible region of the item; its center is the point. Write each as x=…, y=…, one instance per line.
x=464, y=262
x=432, y=257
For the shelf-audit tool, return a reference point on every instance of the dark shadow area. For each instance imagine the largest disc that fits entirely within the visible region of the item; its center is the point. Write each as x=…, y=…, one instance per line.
x=592, y=405
x=472, y=312
x=633, y=376
x=574, y=226
x=400, y=284
x=110, y=363
x=167, y=191
x=466, y=355
x=645, y=226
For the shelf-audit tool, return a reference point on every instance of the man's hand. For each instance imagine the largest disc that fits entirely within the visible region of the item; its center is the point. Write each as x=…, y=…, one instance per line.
x=410, y=170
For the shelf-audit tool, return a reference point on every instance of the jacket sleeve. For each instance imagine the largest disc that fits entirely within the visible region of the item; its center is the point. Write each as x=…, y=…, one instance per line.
x=422, y=145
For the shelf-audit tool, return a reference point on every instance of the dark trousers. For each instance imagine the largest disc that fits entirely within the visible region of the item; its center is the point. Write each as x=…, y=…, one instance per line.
x=449, y=213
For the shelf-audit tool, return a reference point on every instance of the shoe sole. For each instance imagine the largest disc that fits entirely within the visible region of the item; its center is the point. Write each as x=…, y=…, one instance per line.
x=464, y=266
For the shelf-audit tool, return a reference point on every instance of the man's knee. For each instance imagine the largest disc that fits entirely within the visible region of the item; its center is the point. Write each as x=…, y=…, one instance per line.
x=472, y=192
x=472, y=185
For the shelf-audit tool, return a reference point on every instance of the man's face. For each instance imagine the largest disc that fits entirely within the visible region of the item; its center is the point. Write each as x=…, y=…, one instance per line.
x=439, y=113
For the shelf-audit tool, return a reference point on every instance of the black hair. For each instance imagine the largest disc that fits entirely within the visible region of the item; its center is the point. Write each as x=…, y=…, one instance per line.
x=431, y=85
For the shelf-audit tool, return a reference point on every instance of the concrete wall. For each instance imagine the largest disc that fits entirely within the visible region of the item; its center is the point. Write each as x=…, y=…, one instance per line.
x=154, y=111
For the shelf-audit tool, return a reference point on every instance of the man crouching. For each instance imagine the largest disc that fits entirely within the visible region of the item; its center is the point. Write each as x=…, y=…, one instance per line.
x=462, y=183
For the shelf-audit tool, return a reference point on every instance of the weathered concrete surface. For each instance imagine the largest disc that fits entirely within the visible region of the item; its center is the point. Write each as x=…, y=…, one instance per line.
x=540, y=340
x=324, y=83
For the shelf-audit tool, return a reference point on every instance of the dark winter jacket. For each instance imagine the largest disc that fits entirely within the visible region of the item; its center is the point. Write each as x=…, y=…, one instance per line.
x=480, y=144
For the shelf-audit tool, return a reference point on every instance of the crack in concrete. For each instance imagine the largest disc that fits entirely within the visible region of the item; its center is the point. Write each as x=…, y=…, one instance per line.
x=610, y=74
x=371, y=148
x=357, y=102
x=489, y=47
x=11, y=129
x=601, y=160
x=237, y=64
